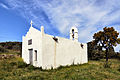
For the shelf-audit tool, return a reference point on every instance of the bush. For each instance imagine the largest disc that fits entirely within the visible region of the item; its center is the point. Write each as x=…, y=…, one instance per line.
x=96, y=55
x=119, y=68
x=21, y=64
x=31, y=67
x=60, y=67
x=6, y=66
x=2, y=50
x=117, y=55
x=107, y=65
x=13, y=63
x=11, y=45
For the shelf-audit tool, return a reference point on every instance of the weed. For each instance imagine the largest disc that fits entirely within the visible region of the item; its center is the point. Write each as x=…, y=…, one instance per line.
x=21, y=64
x=107, y=65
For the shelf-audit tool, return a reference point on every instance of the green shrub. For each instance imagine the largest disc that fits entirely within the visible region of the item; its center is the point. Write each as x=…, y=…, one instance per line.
x=6, y=66
x=12, y=45
x=60, y=67
x=21, y=64
x=118, y=55
x=13, y=63
x=119, y=68
x=107, y=65
x=31, y=67
x=3, y=50
x=19, y=53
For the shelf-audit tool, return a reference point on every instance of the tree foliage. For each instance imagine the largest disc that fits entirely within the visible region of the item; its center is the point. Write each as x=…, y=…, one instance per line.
x=106, y=39
x=94, y=52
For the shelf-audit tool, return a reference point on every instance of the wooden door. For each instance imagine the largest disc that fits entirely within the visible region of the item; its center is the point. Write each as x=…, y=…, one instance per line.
x=31, y=56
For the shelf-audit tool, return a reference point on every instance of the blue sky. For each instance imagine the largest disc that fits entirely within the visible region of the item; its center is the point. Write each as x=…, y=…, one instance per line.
x=57, y=17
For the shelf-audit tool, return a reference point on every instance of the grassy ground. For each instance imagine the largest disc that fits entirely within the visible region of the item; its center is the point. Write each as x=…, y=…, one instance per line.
x=15, y=69
x=11, y=52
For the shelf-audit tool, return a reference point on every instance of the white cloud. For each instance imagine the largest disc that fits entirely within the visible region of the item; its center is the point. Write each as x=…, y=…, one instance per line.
x=84, y=13
x=90, y=16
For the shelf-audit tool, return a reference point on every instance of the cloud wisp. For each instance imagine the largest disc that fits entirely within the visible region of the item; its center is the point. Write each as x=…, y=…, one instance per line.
x=4, y=6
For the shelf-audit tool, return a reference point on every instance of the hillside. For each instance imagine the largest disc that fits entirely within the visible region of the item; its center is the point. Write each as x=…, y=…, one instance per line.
x=10, y=47
x=15, y=69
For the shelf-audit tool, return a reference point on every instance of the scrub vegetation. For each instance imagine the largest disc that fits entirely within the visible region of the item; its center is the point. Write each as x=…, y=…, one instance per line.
x=16, y=69
x=10, y=47
x=97, y=68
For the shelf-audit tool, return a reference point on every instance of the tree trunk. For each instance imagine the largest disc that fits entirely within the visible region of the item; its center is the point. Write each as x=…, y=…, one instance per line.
x=106, y=55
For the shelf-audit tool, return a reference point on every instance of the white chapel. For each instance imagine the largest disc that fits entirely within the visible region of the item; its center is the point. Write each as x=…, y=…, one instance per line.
x=47, y=51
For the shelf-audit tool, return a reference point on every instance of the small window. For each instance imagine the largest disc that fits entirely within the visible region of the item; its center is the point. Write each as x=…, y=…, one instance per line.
x=73, y=33
x=30, y=42
x=35, y=55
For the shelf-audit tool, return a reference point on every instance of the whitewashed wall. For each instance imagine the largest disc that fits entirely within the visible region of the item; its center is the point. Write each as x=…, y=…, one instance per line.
x=64, y=52
x=51, y=53
x=35, y=35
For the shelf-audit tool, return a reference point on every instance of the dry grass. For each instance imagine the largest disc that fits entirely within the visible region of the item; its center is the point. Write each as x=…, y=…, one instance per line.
x=94, y=70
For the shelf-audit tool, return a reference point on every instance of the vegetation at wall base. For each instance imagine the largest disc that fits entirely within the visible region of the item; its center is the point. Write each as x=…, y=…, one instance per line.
x=13, y=68
x=16, y=69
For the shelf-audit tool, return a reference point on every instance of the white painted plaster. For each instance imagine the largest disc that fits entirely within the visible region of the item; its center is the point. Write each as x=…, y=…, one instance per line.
x=51, y=53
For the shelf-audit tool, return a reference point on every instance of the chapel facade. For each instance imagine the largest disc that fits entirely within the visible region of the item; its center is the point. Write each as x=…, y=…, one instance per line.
x=47, y=51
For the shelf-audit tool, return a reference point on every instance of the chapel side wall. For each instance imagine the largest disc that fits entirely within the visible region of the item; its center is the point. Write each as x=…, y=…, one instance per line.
x=70, y=52
x=35, y=35
x=48, y=52
x=64, y=52
x=85, y=55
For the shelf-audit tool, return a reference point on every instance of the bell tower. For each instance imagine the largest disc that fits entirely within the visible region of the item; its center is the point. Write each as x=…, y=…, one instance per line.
x=74, y=34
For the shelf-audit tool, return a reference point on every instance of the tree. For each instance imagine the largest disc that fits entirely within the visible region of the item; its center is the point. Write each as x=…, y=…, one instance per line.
x=95, y=52
x=106, y=39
